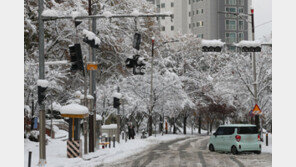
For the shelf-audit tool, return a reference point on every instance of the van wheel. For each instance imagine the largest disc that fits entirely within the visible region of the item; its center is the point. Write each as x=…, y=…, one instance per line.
x=234, y=150
x=211, y=148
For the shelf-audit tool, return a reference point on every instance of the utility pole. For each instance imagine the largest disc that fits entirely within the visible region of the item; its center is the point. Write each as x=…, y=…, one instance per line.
x=257, y=121
x=151, y=90
x=42, y=151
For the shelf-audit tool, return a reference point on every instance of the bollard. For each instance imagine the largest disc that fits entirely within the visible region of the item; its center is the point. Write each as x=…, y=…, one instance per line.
x=113, y=140
x=266, y=139
x=109, y=142
x=29, y=162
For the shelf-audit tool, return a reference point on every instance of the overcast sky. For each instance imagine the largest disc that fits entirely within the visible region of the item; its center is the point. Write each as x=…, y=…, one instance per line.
x=263, y=14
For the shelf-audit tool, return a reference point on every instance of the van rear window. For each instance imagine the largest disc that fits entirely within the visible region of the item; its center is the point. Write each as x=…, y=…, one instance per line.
x=247, y=130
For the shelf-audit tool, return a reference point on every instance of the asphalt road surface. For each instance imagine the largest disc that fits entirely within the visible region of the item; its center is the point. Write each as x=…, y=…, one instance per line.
x=191, y=152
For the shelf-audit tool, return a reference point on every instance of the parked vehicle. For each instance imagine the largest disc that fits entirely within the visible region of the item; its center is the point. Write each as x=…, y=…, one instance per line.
x=236, y=138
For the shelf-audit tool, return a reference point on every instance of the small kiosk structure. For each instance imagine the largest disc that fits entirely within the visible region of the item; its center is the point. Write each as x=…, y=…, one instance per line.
x=75, y=113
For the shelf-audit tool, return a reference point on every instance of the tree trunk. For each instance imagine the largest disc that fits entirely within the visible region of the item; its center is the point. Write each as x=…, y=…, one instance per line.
x=211, y=125
x=199, y=125
x=150, y=125
x=160, y=124
x=184, y=124
x=174, y=127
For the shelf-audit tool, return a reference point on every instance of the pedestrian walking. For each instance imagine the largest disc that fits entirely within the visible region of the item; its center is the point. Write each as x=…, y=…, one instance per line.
x=131, y=131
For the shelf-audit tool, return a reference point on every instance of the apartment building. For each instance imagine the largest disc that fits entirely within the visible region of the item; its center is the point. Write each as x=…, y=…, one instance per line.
x=201, y=18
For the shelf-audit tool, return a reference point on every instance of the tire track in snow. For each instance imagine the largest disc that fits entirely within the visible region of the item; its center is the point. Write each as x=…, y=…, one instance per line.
x=240, y=164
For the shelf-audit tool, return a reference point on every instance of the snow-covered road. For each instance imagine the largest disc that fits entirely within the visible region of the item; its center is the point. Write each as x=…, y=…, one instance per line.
x=189, y=152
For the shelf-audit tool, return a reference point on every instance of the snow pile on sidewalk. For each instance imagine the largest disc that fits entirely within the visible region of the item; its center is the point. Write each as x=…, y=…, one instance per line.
x=267, y=149
x=56, y=154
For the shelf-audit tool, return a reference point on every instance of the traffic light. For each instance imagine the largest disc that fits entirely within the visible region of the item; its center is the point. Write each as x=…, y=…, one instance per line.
x=41, y=94
x=91, y=43
x=212, y=45
x=137, y=41
x=211, y=49
x=249, y=46
x=137, y=64
x=116, y=102
x=251, y=49
x=76, y=58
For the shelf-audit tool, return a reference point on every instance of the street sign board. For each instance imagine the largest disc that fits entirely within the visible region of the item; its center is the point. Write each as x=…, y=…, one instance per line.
x=92, y=67
x=257, y=110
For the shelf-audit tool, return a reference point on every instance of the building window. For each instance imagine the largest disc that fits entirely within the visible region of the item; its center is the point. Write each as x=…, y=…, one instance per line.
x=158, y=6
x=230, y=24
x=172, y=16
x=193, y=25
x=163, y=5
x=189, y=14
x=163, y=28
x=200, y=36
x=172, y=4
x=240, y=10
x=189, y=25
x=240, y=36
x=172, y=28
x=189, y=2
x=241, y=2
x=230, y=37
x=201, y=23
x=230, y=2
x=240, y=25
x=201, y=11
x=196, y=11
x=231, y=10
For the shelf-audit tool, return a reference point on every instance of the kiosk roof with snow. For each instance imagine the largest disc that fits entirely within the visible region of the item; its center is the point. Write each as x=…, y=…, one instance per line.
x=74, y=111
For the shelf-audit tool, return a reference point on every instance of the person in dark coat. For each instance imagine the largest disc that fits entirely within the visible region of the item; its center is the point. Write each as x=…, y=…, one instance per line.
x=131, y=131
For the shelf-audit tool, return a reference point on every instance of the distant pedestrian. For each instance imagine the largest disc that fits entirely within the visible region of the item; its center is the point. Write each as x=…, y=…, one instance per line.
x=131, y=131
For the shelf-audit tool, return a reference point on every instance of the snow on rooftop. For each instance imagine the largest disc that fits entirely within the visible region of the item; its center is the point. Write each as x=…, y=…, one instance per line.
x=111, y=126
x=74, y=109
x=42, y=82
x=216, y=42
x=56, y=106
x=135, y=13
x=90, y=35
x=117, y=95
x=248, y=43
x=107, y=14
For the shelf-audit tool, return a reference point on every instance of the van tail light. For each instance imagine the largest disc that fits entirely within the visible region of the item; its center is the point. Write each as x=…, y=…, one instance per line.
x=259, y=138
x=238, y=138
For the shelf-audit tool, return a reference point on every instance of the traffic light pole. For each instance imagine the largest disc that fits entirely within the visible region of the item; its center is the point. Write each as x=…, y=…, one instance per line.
x=42, y=152
x=151, y=89
x=257, y=121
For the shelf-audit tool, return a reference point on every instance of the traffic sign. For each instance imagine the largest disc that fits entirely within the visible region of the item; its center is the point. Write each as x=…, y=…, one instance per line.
x=257, y=110
x=92, y=67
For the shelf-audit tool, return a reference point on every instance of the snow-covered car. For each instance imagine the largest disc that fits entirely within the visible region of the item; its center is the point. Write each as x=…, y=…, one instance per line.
x=236, y=138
